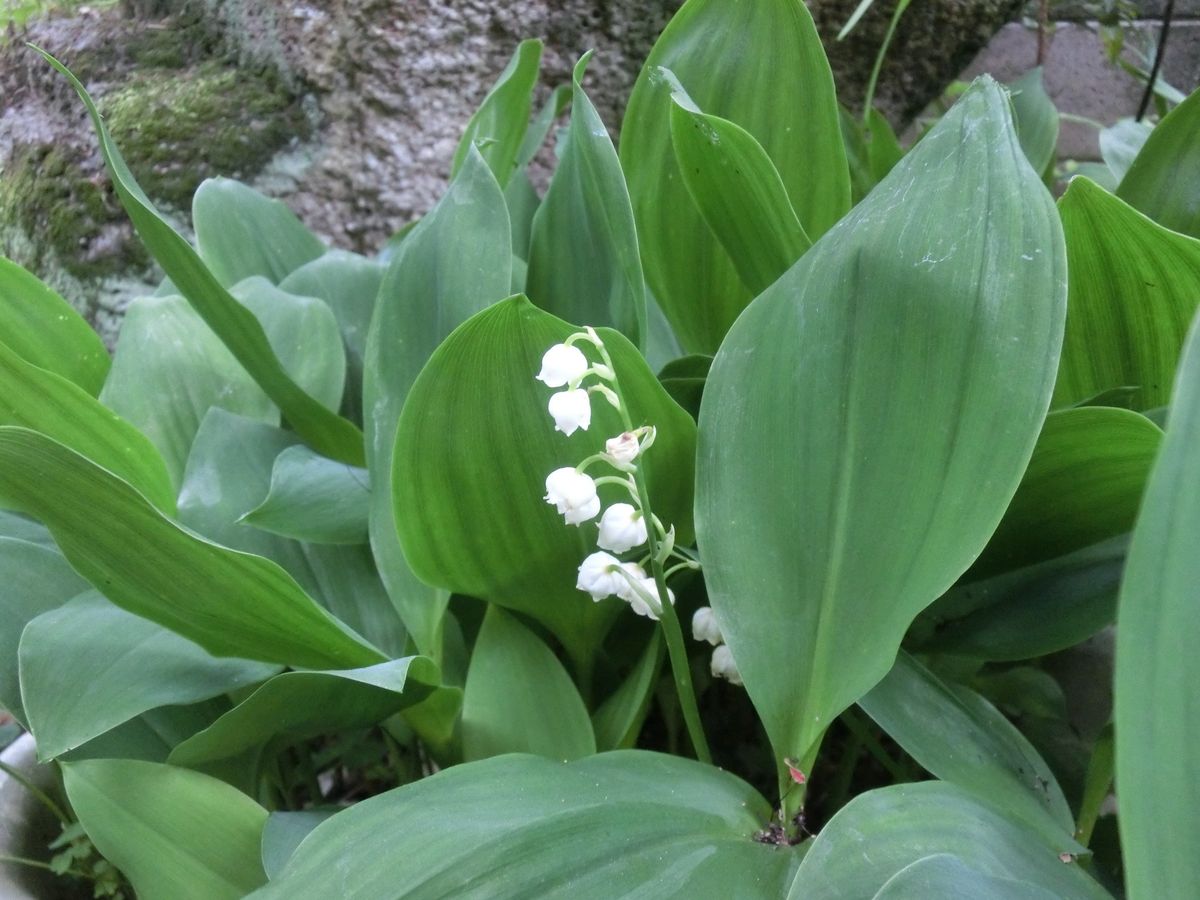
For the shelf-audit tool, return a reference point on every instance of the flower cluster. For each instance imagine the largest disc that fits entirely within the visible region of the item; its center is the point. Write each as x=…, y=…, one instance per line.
x=705, y=628
x=623, y=526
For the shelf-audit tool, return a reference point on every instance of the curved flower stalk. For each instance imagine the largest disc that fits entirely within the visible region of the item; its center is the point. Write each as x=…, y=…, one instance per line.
x=624, y=526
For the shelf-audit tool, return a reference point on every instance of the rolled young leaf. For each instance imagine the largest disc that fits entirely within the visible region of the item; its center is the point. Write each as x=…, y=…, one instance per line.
x=1037, y=119
x=150, y=566
x=1157, y=668
x=761, y=65
x=1134, y=289
x=583, y=255
x=327, y=432
x=868, y=418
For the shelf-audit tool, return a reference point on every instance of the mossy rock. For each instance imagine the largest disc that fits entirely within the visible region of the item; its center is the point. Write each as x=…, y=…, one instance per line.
x=214, y=119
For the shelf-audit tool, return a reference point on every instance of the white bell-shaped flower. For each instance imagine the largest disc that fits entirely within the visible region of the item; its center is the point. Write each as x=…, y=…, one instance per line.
x=647, y=602
x=562, y=365
x=600, y=576
x=622, y=449
x=571, y=410
x=573, y=494
x=622, y=527
x=704, y=626
x=723, y=665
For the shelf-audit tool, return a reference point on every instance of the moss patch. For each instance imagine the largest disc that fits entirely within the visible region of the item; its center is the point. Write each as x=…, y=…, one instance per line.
x=180, y=111
x=175, y=131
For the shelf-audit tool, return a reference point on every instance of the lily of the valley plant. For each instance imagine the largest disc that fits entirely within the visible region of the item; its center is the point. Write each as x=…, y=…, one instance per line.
x=313, y=591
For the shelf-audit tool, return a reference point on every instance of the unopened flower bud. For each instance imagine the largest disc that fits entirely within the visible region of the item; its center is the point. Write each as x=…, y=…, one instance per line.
x=623, y=449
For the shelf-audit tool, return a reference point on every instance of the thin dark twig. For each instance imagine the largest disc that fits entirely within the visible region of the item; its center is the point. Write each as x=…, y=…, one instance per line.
x=1043, y=21
x=1168, y=11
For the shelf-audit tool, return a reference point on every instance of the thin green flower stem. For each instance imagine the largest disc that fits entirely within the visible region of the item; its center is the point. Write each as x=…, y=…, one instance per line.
x=869, y=100
x=670, y=622
x=37, y=792
x=38, y=864
x=690, y=566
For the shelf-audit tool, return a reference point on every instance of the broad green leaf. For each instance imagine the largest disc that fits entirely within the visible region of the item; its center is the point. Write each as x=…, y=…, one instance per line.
x=1121, y=143
x=152, y=735
x=88, y=666
x=314, y=499
x=847, y=475
x=43, y=329
x=498, y=127
x=324, y=430
x=583, y=254
x=1134, y=288
x=1164, y=179
x=1036, y=118
x=518, y=697
x=881, y=832
x=476, y=434
x=169, y=370
x=349, y=283
x=240, y=233
x=295, y=706
x=283, y=833
x=616, y=825
x=23, y=528
x=1029, y=612
x=304, y=335
x=454, y=263
x=761, y=66
x=944, y=875
x=39, y=400
x=961, y=738
x=1082, y=486
x=739, y=193
x=1157, y=668
x=177, y=835
x=620, y=717
x=539, y=128
x=36, y=579
x=228, y=475
x=152, y=567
